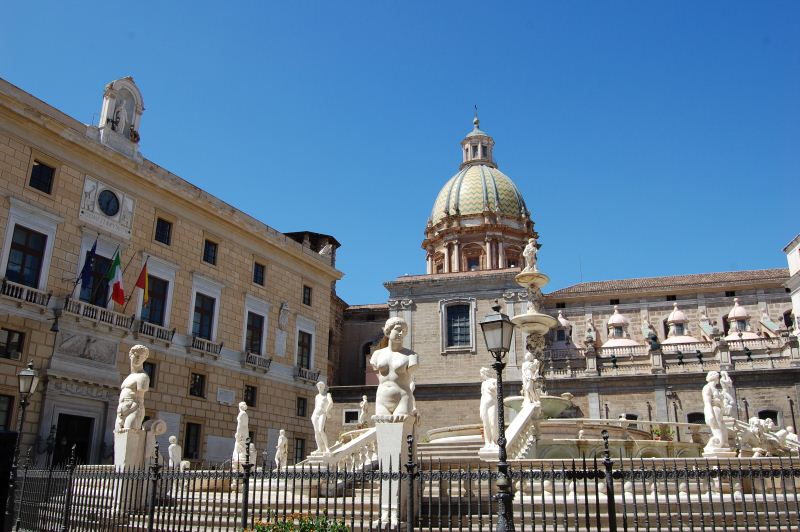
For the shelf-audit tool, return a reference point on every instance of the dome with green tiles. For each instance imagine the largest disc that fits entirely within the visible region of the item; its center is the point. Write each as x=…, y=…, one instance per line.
x=475, y=189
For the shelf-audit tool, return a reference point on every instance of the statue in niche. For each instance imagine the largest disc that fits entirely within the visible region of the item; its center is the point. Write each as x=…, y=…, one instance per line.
x=283, y=316
x=488, y=407
x=529, y=254
x=728, y=394
x=362, y=411
x=590, y=336
x=120, y=122
x=323, y=403
x=395, y=366
x=530, y=379
x=130, y=410
x=281, y=450
x=713, y=411
x=241, y=435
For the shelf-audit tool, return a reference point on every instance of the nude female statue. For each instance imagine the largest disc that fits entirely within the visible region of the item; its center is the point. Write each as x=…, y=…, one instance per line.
x=712, y=409
x=281, y=450
x=130, y=409
x=530, y=378
x=323, y=403
x=489, y=408
x=241, y=434
x=395, y=366
x=362, y=411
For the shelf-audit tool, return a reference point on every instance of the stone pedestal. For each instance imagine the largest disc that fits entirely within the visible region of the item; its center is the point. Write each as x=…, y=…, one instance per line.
x=129, y=448
x=391, y=433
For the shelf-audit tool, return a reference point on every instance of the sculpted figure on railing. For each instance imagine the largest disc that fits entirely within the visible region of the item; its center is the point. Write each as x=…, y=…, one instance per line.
x=362, y=411
x=323, y=403
x=281, y=450
x=130, y=410
x=489, y=408
x=713, y=411
x=241, y=435
x=395, y=366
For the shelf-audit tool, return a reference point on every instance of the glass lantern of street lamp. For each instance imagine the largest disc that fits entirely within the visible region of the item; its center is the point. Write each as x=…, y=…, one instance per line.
x=28, y=380
x=497, y=331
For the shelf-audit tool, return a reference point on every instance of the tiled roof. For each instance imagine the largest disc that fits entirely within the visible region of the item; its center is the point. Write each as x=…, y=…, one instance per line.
x=697, y=280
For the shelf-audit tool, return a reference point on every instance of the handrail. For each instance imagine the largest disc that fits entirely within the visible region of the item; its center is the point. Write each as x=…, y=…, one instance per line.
x=97, y=314
x=355, y=453
x=25, y=293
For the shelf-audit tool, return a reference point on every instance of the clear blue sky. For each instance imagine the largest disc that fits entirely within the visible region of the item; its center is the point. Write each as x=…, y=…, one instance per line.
x=648, y=138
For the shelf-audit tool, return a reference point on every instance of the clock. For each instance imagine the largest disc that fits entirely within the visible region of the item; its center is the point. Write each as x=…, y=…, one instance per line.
x=108, y=203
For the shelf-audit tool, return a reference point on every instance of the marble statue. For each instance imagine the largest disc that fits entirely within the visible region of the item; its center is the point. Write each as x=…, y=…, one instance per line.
x=241, y=435
x=283, y=316
x=713, y=411
x=529, y=254
x=281, y=450
x=120, y=117
x=489, y=408
x=530, y=379
x=728, y=394
x=362, y=411
x=175, y=452
x=395, y=366
x=323, y=403
x=130, y=410
x=590, y=337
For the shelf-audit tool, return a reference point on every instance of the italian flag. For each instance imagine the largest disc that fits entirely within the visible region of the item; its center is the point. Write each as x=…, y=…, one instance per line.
x=114, y=277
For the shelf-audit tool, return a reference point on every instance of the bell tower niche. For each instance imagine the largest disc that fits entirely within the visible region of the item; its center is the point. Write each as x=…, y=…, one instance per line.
x=121, y=116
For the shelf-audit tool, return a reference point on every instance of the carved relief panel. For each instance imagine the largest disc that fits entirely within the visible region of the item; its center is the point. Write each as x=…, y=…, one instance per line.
x=107, y=208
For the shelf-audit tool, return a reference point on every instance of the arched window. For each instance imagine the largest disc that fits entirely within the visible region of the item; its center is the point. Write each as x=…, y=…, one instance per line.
x=618, y=332
x=698, y=418
x=768, y=414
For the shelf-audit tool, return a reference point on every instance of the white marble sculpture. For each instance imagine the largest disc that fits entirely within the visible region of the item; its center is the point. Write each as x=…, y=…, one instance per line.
x=529, y=254
x=713, y=411
x=530, y=379
x=362, y=411
x=175, y=452
x=395, y=366
x=241, y=435
x=489, y=408
x=130, y=410
x=281, y=450
x=728, y=395
x=323, y=403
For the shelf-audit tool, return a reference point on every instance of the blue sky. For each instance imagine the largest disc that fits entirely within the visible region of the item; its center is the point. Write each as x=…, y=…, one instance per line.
x=648, y=138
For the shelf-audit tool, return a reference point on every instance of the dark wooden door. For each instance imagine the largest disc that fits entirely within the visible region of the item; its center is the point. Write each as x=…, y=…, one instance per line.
x=73, y=430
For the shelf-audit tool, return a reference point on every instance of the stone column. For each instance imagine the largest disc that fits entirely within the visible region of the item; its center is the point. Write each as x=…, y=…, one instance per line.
x=447, y=258
x=489, y=255
x=501, y=250
x=456, y=258
x=429, y=264
x=391, y=433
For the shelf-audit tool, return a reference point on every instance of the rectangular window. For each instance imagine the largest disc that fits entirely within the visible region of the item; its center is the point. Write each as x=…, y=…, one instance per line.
x=155, y=310
x=150, y=369
x=299, y=450
x=561, y=305
x=6, y=406
x=301, y=406
x=350, y=417
x=163, y=231
x=671, y=298
x=613, y=302
x=25, y=256
x=250, y=395
x=730, y=293
x=96, y=292
x=203, y=321
x=304, y=349
x=191, y=442
x=306, y=295
x=258, y=273
x=197, y=385
x=11, y=343
x=254, y=333
x=42, y=177
x=458, y=326
x=210, y=252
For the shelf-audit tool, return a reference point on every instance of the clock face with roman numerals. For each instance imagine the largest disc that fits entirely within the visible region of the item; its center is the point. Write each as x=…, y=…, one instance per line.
x=108, y=203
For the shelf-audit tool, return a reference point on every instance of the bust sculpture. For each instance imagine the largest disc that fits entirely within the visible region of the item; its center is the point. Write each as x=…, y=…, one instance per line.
x=281, y=450
x=529, y=254
x=713, y=411
x=395, y=366
x=362, y=411
x=530, y=379
x=323, y=403
x=130, y=409
x=489, y=408
x=241, y=434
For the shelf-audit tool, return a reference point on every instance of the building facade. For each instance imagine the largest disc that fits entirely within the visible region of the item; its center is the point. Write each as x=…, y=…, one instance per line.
x=236, y=310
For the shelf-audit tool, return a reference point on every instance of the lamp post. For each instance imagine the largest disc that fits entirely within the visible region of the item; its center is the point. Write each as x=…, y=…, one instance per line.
x=497, y=331
x=791, y=409
x=28, y=380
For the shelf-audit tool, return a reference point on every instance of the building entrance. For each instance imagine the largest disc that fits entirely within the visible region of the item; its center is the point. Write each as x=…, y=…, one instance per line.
x=73, y=430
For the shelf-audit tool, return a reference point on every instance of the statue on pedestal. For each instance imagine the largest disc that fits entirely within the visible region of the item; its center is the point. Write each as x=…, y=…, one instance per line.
x=241, y=435
x=713, y=411
x=362, y=411
x=530, y=379
x=489, y=408
x=281, y=450
x=130, y=410
x=395, y=366
x=728, y=394
x=175, y=452
x=529, y=254
x=323, y=403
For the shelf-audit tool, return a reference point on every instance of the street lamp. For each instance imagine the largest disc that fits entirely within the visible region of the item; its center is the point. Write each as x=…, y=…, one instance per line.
x=497, y=331
x=28, y=379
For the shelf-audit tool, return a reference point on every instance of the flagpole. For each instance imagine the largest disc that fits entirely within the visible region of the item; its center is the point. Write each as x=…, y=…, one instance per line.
x=111, y=293
x=131, y=296
x=94, y=289
x=80, y=274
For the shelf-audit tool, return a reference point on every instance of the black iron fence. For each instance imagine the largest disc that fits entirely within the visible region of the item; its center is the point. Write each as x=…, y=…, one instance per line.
x=690, y=494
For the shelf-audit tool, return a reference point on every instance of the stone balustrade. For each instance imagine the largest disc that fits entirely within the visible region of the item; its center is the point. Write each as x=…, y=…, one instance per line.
x=97, y=315
x=153, y=331
x=205, y=347
x=255, y=361
x=26, y=294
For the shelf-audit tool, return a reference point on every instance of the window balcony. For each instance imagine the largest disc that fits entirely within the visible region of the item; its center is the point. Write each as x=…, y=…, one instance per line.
x=255, y=361
x=97, y=315
x=154, y=332
x=25, y=294
x=306, y=374
x=204, y=347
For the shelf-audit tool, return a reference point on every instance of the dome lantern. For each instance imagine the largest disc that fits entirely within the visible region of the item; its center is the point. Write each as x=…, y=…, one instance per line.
x=477, y=146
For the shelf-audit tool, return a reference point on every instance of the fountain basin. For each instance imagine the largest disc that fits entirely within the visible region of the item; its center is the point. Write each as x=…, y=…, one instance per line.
x=534, y=322
x=526, y=279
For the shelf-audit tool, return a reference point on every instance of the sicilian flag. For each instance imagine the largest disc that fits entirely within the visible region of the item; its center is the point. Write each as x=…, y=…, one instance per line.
x=141, y=282
x=88, y=267
x=114, y=278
